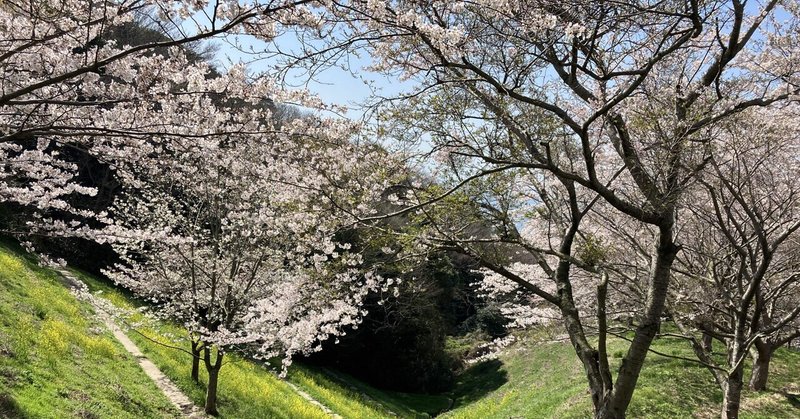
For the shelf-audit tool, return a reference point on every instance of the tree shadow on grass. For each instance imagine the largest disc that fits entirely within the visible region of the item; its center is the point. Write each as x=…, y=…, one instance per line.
x=478, y=381
x=9, y=408
x=793, y=399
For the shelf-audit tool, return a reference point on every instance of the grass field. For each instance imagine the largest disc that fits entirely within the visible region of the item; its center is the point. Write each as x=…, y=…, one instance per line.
x=56, y=361
x=545, y=380
x=334, y=388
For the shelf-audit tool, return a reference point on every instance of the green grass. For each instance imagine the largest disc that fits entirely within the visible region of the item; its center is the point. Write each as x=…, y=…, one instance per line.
x=543, y=381
x=547, y=381
x=248, y=390
x=56, y=361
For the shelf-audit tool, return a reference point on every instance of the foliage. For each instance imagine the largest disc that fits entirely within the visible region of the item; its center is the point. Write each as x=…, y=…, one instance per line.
x=338, y=391
x=400, y=345
x=574, y=151
x=248, y=389
x=738, y=278
x=529, y=378
x=546, y=118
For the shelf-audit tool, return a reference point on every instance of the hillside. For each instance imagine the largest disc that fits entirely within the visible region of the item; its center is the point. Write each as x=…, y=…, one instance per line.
x=57, y=361
x=248, y=389
x=533, y=380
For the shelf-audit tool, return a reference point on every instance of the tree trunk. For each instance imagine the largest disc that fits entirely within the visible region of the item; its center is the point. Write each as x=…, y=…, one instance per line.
x=762, y=356
x=649, y=324
x=211, y=392
x=733, y=394
x=708, y=343
x=599, y=379
x=597, y=371
x=599, y=386
x=197, y=352
x=213, y=379
x=607, y=412
x=196, y=369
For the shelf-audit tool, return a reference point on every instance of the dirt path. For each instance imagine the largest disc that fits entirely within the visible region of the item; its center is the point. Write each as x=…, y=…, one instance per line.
x=173, y=393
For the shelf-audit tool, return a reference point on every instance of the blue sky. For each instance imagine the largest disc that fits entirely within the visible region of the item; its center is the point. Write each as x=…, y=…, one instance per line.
x=334, y=85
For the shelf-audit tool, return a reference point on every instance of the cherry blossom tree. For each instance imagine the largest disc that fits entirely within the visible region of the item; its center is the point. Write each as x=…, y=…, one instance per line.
x=634, y=90
x=226, y=218
x=738, y=276
x=69, y=81
x=235, y=235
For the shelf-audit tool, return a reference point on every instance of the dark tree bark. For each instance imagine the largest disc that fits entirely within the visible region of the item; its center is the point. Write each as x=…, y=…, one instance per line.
x=648, y=327
x=708, y=342
x=213, y=380
x=197, y=352
x=211, y=392
x=762, y=354
x=733, y=394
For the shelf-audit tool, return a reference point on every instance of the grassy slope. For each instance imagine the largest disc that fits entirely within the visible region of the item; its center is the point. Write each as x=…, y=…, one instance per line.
x=249, y=390
x=55, y=362
x=545, y=380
